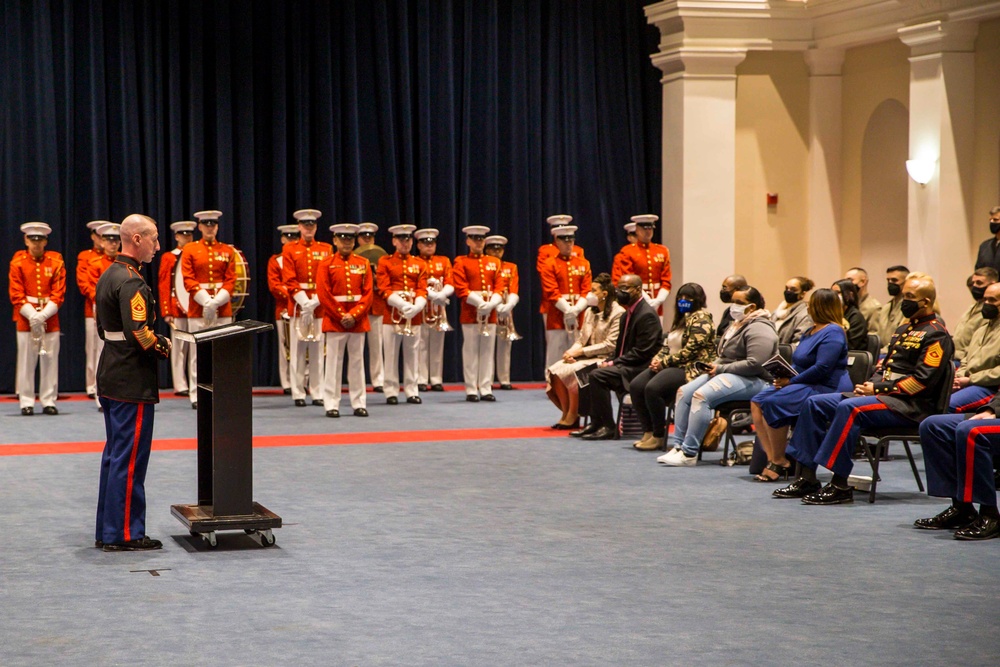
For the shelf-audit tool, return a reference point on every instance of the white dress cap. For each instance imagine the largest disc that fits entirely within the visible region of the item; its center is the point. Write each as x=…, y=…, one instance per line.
x=94, y=225
x=565, y=230
x=367, y=228
x=645, y=217
x=36, y=229
x=402, y=230
x=184, y=226
x=630, y=228
x=202, y=216
x=476, y=229
x=344, y=228
x=288, y=229
x=425, y=233
x=559, y=220
x=496, y=240
x=110, y=229
x=305, y=214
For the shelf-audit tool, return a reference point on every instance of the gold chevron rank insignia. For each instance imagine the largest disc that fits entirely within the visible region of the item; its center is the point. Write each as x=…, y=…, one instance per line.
x=138, y=308
x=934, y=355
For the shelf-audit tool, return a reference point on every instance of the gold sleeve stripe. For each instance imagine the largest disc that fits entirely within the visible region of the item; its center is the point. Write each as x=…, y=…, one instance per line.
x=138, y=305
x=146, y=338
x=910, y=386
x=934, y=355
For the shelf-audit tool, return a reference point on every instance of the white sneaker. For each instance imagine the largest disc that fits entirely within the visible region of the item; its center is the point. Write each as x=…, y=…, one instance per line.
x=678, y=458
x=663, y=458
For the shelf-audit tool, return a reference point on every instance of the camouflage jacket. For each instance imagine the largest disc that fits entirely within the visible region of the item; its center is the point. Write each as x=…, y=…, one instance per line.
x=698, y=344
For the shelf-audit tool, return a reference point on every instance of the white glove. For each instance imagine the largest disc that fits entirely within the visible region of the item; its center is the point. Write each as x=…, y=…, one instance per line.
x=202, y=298
x=441, y=300
x=661, y=297
x=49, y=309
x=512, y=300
x=648, y=299
x=570, y=320
x=562, y=305
x=495, y=300
x=307, y=321
x=433, y=294
x=301, y=298
x=579, y=306
x=27, y=311
x=409, y=311
x=419, y=304
x=474, y=299
x=36, y=319
x=222, y=297
x=38, y=330
x=503, y=308
x=397, y=302
x=446, y=292
x=210, y=310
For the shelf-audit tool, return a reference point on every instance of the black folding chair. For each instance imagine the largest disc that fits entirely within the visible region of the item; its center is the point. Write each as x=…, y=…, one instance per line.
x=874, y=346
x=859, y=366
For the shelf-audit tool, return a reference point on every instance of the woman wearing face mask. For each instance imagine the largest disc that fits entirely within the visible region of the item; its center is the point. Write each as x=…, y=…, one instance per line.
x=595, y=342
x=737, y=375
x=791, y=318
x=856, y=325
x=821, y=362
x=691, y=339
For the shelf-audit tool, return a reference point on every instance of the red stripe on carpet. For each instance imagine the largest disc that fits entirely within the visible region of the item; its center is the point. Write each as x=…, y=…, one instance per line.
x=308, y=440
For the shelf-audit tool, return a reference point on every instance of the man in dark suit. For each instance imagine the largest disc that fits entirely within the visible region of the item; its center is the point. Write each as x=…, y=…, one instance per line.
x=640, y=338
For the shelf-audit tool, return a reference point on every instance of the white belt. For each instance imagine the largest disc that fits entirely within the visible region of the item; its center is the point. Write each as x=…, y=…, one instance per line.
x=342, y=299
x=307, y=285
x=652, y=285
x=115, y=335
x=210, y=285
x=36, y=300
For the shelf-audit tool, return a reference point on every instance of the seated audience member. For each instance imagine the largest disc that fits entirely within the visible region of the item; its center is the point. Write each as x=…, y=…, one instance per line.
x=691, y=339
x=640, y=335
x=729, y=285
x=791, y=317
x=821, y=362
x=972, y=318
x=867, y=304
x=958, y=454
x=890, y=317
x=978, y=376
x=857, y=327
x=736, y=375
x=594, y=343
x=919, y=358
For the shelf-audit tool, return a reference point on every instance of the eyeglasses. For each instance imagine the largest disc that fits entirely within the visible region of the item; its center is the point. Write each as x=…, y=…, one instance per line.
x=477, y=237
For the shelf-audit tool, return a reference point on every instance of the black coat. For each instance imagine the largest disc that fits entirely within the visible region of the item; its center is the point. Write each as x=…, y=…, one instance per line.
x=638, y=344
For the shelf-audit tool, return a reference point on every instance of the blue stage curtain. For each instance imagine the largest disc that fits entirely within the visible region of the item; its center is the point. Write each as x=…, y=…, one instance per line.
x=440, y=113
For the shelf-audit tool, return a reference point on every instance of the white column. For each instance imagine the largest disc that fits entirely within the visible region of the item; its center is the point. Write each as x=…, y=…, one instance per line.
x=699, y=151
x=942, y=128
x=825, y=138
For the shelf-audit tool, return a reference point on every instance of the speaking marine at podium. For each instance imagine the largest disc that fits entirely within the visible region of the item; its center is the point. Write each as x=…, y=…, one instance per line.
x=127, y=388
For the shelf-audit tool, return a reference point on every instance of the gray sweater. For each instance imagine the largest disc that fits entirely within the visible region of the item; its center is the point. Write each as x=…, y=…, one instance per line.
x=745, y=352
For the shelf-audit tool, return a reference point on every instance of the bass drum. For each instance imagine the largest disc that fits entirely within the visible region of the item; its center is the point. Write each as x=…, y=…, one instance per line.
x=240, y=292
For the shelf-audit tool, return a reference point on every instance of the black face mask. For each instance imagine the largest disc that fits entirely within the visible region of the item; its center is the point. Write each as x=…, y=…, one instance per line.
x=994, y=227
x=624, y=297
x=725, y=297
x=977, y=292
x=791, y=297
x=990, y=311
x=909, y=307
x=894, y=289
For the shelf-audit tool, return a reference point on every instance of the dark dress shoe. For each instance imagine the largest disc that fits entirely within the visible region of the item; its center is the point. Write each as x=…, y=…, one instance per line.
x=98, y=544
x=93, y=396
x=586, y=430
x=287, y=391
x=27, y=412
x=392, y=400
x=950, y=519
x=300, y=402
x=142, y=544
x=333, y=413
x=50, y=410
x=360, y=412
x=437, y=387
x=317, y=401
x=416, y=400
x=565, y=427
x=422, y=387
x=185, y=392
x=603, y=433
x=830, y=495
x=800, y=488
x=194, y=406
x=377, y=390
x=489, y=398
x=983, y=528
x=507, y=387
x=471, y=398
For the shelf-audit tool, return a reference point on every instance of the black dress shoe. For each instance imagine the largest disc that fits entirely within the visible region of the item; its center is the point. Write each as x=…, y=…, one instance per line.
x=377, y=390
x=983, y=528
x=489, y=398
x=300, y=402
x=437, y=387
x=287, y=391
x=93, y=396
x=142, y=544
x=603, y=433
x=27, y=412
x=950, y=519
x=800, y=488
x=194, y=406
x=360, y=412
x=416, y=400
x=506, y=387
x=98, y=544
x=392, y=400
x=830, y=495
x=586, y=430
x=565, y=427
x=50, y=410
x=317, y=401
x=471, y=398
x=422, y=387
x=333, y=413
x=184, y=392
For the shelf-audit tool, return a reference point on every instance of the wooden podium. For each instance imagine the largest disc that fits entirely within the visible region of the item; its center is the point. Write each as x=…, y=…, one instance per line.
x=225, y=436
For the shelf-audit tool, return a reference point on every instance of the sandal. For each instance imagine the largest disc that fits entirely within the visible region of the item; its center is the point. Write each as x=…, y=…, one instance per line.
x=780, y=473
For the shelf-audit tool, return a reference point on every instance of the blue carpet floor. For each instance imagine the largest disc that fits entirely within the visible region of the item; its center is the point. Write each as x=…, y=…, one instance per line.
x=546, y=551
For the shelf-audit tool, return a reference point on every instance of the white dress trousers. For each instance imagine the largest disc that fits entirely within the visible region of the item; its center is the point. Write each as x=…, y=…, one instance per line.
x=376, y=367
x=179, y=356
x=28, y=358
x=286, y=383
x=477, y=359
x=90, y=351
x=300, y=350
x=336, y=343
x=391, y=342
x=431, y=369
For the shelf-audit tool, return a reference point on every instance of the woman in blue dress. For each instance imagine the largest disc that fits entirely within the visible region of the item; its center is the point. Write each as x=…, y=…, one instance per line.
x=820, y=361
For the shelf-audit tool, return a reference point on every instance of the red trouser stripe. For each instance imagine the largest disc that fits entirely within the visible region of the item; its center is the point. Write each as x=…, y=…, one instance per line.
x=970, y=457
x=131, y=470
x=847, y=429
x=975, y=404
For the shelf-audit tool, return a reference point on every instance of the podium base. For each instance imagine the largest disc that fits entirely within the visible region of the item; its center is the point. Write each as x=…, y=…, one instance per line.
x=201, y=520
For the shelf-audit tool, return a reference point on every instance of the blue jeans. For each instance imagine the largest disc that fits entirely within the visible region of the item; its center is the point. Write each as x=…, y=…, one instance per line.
x=697, y=402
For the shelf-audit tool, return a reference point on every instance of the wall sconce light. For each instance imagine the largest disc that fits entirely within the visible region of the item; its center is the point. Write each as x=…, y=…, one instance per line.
x=921, y=171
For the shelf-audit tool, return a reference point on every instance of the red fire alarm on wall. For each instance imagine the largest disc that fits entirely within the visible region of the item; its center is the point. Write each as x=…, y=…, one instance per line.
x=772, y=198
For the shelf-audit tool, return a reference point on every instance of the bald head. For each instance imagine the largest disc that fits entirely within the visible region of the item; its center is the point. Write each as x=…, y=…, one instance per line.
x=920, y=288
x=140, y=238
x=630, y=280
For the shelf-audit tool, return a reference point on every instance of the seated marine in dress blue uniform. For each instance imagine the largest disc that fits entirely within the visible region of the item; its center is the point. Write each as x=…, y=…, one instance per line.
x=916, y=365
x=978, y=377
